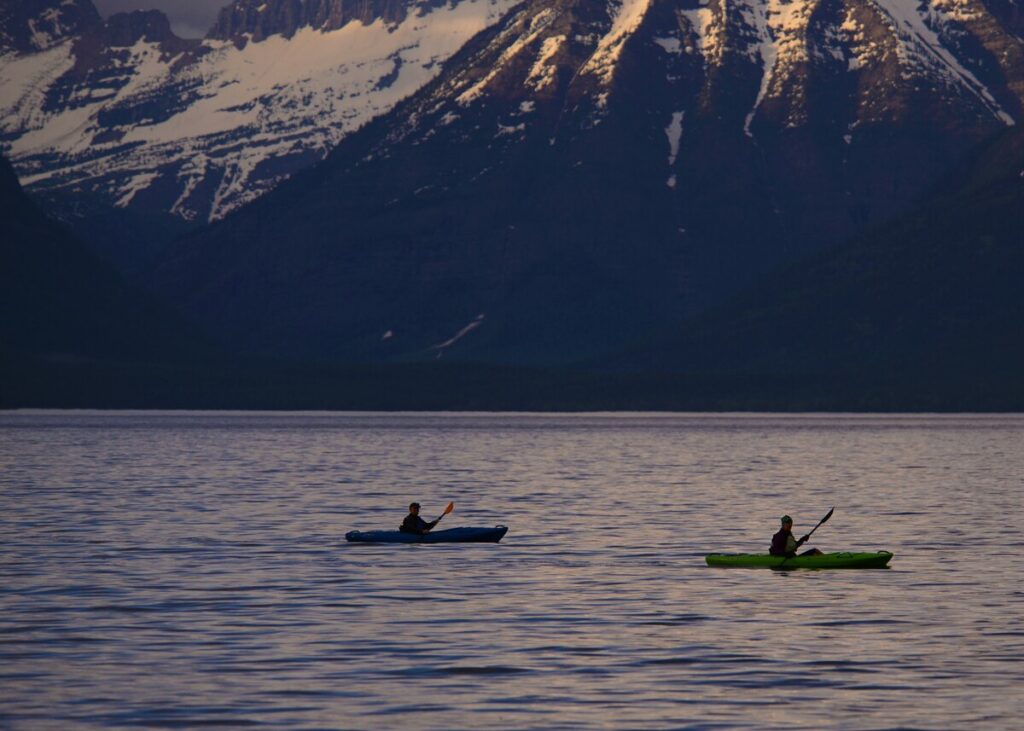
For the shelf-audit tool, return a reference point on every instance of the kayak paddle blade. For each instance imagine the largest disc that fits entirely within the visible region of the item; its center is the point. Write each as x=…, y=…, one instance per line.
x=450, y=508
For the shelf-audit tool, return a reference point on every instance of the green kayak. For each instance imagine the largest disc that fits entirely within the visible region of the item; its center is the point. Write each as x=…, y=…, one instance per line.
x=876, y=560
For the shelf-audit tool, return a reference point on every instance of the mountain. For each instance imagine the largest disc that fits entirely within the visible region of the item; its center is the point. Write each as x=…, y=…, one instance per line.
x=134, y=136
x=582, y=173
x=31, y=26
x=127, y=132
x=926, y=308
x=59, y=303
x=73, y=334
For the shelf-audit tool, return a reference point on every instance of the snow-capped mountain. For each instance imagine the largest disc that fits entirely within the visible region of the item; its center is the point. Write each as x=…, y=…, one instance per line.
x=129, y=114
x=134, y=117
x=583, y=172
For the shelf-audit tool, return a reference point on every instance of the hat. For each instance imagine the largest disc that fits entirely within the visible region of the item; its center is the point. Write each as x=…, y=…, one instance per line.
x=414, y=505
x=786, y=519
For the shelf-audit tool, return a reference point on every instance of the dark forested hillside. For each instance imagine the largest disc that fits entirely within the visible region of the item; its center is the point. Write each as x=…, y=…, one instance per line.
x=930, y=304
x=61, y=305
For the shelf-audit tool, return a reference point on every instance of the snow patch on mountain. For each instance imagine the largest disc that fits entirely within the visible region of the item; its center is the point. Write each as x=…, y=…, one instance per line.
x=542, y=74
x=137, y=183
x=961, y=11
x=441, y=347
x=23, y=84
x=504, y=130
x=537, y=27
x=627, y=14
x=923, y=48
x=671, y=46
x=40, y=38
x=782, y=27
x=707, y=33
x=674, y=132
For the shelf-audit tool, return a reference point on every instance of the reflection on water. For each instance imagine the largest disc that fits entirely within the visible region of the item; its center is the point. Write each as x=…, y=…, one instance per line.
x=189, y=570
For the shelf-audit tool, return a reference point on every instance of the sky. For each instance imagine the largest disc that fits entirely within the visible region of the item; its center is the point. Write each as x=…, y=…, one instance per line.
x=189, y=18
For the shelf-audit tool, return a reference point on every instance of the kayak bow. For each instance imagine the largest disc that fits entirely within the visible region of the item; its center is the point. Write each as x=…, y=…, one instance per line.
x=876, y=560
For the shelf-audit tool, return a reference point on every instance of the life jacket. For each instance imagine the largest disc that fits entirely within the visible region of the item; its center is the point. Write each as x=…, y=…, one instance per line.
x=783, y=543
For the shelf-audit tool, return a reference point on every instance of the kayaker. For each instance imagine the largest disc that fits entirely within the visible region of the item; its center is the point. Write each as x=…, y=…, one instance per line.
x=784, y=544
x=413, y=523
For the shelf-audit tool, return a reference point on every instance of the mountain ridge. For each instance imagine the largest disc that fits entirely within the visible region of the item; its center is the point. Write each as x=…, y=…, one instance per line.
x=929, y=300
x=121, y=116
x=124, y=120
x=242, y=21
x=577, y=175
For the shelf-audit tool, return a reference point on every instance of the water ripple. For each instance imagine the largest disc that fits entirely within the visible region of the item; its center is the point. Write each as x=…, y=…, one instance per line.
x=190, y=570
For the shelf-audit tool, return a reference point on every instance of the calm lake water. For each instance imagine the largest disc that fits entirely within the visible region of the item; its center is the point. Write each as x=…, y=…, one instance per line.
x=183, y=570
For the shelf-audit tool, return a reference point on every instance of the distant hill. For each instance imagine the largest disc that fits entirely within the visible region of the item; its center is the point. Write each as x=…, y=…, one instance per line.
x=927, y=309
x=61, y=305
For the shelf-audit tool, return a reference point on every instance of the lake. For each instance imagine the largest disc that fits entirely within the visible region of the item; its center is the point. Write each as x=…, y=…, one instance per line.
x=189, y=570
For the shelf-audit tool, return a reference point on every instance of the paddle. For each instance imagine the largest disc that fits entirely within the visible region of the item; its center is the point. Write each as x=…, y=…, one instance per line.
x=450, y=508
x=823, y=520
x=827, y=516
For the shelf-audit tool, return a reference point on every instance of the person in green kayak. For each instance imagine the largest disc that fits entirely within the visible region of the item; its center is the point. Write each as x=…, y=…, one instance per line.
x=413, y=523
x=784, y=544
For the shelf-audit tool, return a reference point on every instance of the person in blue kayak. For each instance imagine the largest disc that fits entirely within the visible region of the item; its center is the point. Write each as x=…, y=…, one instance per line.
x=413, y=523
x=784, y=544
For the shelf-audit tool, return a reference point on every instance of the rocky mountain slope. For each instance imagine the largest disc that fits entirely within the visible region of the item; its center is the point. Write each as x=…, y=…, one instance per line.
x=122, y=114
x=584, y=172
x=31, y=26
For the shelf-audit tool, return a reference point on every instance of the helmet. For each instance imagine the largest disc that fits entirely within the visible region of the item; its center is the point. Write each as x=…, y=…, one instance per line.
x=786, y=519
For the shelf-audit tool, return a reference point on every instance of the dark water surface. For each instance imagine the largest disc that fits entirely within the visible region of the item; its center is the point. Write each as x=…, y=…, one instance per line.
x=190, y=570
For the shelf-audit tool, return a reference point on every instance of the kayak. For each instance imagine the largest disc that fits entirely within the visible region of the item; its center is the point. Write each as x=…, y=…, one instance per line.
x=452, y=535
x=876, y=560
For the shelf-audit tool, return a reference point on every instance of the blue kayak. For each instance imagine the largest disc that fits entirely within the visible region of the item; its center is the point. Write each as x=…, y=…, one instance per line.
x=452, y=535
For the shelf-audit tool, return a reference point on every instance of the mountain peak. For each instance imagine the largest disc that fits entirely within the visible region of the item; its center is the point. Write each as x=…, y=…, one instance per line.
x=127, y=29
x=28, y=26
x=259, y=19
